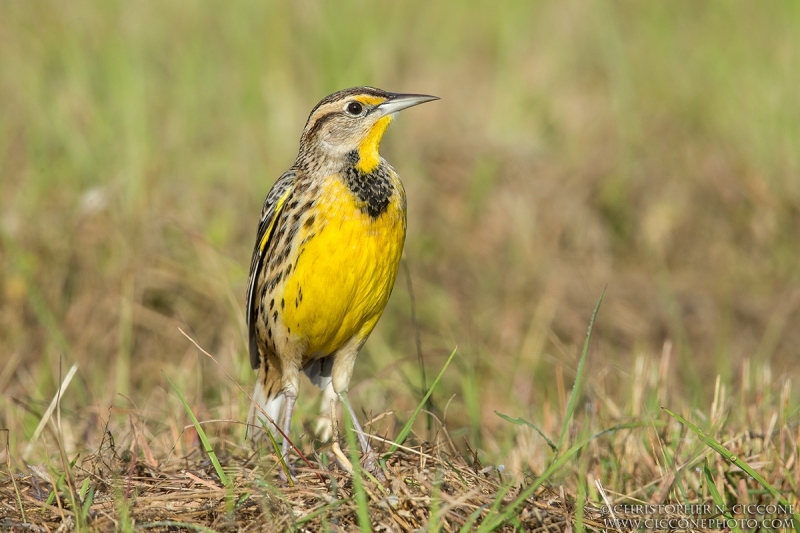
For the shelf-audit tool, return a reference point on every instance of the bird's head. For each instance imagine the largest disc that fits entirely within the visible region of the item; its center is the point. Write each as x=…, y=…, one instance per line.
x=354, y=120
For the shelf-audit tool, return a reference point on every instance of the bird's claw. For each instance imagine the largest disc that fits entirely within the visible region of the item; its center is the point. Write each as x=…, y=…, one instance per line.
x=371, y=465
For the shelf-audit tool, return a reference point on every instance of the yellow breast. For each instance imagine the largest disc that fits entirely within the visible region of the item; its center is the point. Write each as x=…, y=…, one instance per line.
x=345, y=269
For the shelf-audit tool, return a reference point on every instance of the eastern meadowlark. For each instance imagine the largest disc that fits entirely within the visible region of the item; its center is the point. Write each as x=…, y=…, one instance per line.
x=326, y=255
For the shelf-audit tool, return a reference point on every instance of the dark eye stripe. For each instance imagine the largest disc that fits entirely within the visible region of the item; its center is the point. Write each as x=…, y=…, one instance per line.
x=319, y=123
x=331, y=106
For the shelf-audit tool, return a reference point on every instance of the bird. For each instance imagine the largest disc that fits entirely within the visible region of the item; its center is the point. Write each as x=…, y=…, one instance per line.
x=326, y=255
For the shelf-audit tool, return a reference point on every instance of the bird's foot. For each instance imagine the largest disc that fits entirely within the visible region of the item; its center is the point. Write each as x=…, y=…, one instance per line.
x=372, y=466
x=291, y=479
x=285, y=466
x=282, y=473
x=370, y=462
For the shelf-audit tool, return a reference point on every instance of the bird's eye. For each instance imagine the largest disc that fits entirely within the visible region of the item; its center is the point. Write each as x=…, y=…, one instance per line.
x=354, y=108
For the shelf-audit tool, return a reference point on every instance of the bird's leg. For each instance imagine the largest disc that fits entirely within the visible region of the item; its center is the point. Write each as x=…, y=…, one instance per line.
x=369, y=455
x=362, y=439
x=291, y=397
x=324, y=427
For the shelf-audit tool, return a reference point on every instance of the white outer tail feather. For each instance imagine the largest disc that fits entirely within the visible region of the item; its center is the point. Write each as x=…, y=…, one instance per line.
x=274, y=409
x=319, y=372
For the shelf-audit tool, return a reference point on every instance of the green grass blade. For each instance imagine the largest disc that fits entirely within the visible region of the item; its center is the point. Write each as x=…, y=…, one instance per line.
x=715, y=495
x=277, y=448
x=523, y=422
x=407, y=428
x=493, y=510
x=435, y=504
x=84, y=488
x=87, y=504
x=582, y=486
x=732, y=458
x=576, y=388
x=508, y=512
x=203, y=438
x=362, y=506
x=467, y=527
x=712, y=487
x=492, y=523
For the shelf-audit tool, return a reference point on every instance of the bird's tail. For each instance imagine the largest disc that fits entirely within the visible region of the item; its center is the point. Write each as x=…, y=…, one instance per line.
x=262, y=408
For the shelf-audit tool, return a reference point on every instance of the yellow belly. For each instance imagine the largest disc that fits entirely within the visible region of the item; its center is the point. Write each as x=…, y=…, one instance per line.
x=345, y=271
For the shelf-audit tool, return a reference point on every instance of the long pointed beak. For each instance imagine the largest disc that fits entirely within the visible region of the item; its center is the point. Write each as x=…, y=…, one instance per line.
x=398, y=102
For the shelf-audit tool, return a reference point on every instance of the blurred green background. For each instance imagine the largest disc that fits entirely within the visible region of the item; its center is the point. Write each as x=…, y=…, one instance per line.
x=650, y=147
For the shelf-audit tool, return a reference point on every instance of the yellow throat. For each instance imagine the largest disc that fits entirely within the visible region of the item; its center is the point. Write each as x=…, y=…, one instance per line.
x=368, y=149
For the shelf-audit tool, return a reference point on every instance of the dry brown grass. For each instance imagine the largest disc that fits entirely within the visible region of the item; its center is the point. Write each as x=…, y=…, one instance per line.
x=149, y=471
x=425, y=487
x=429, y=488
